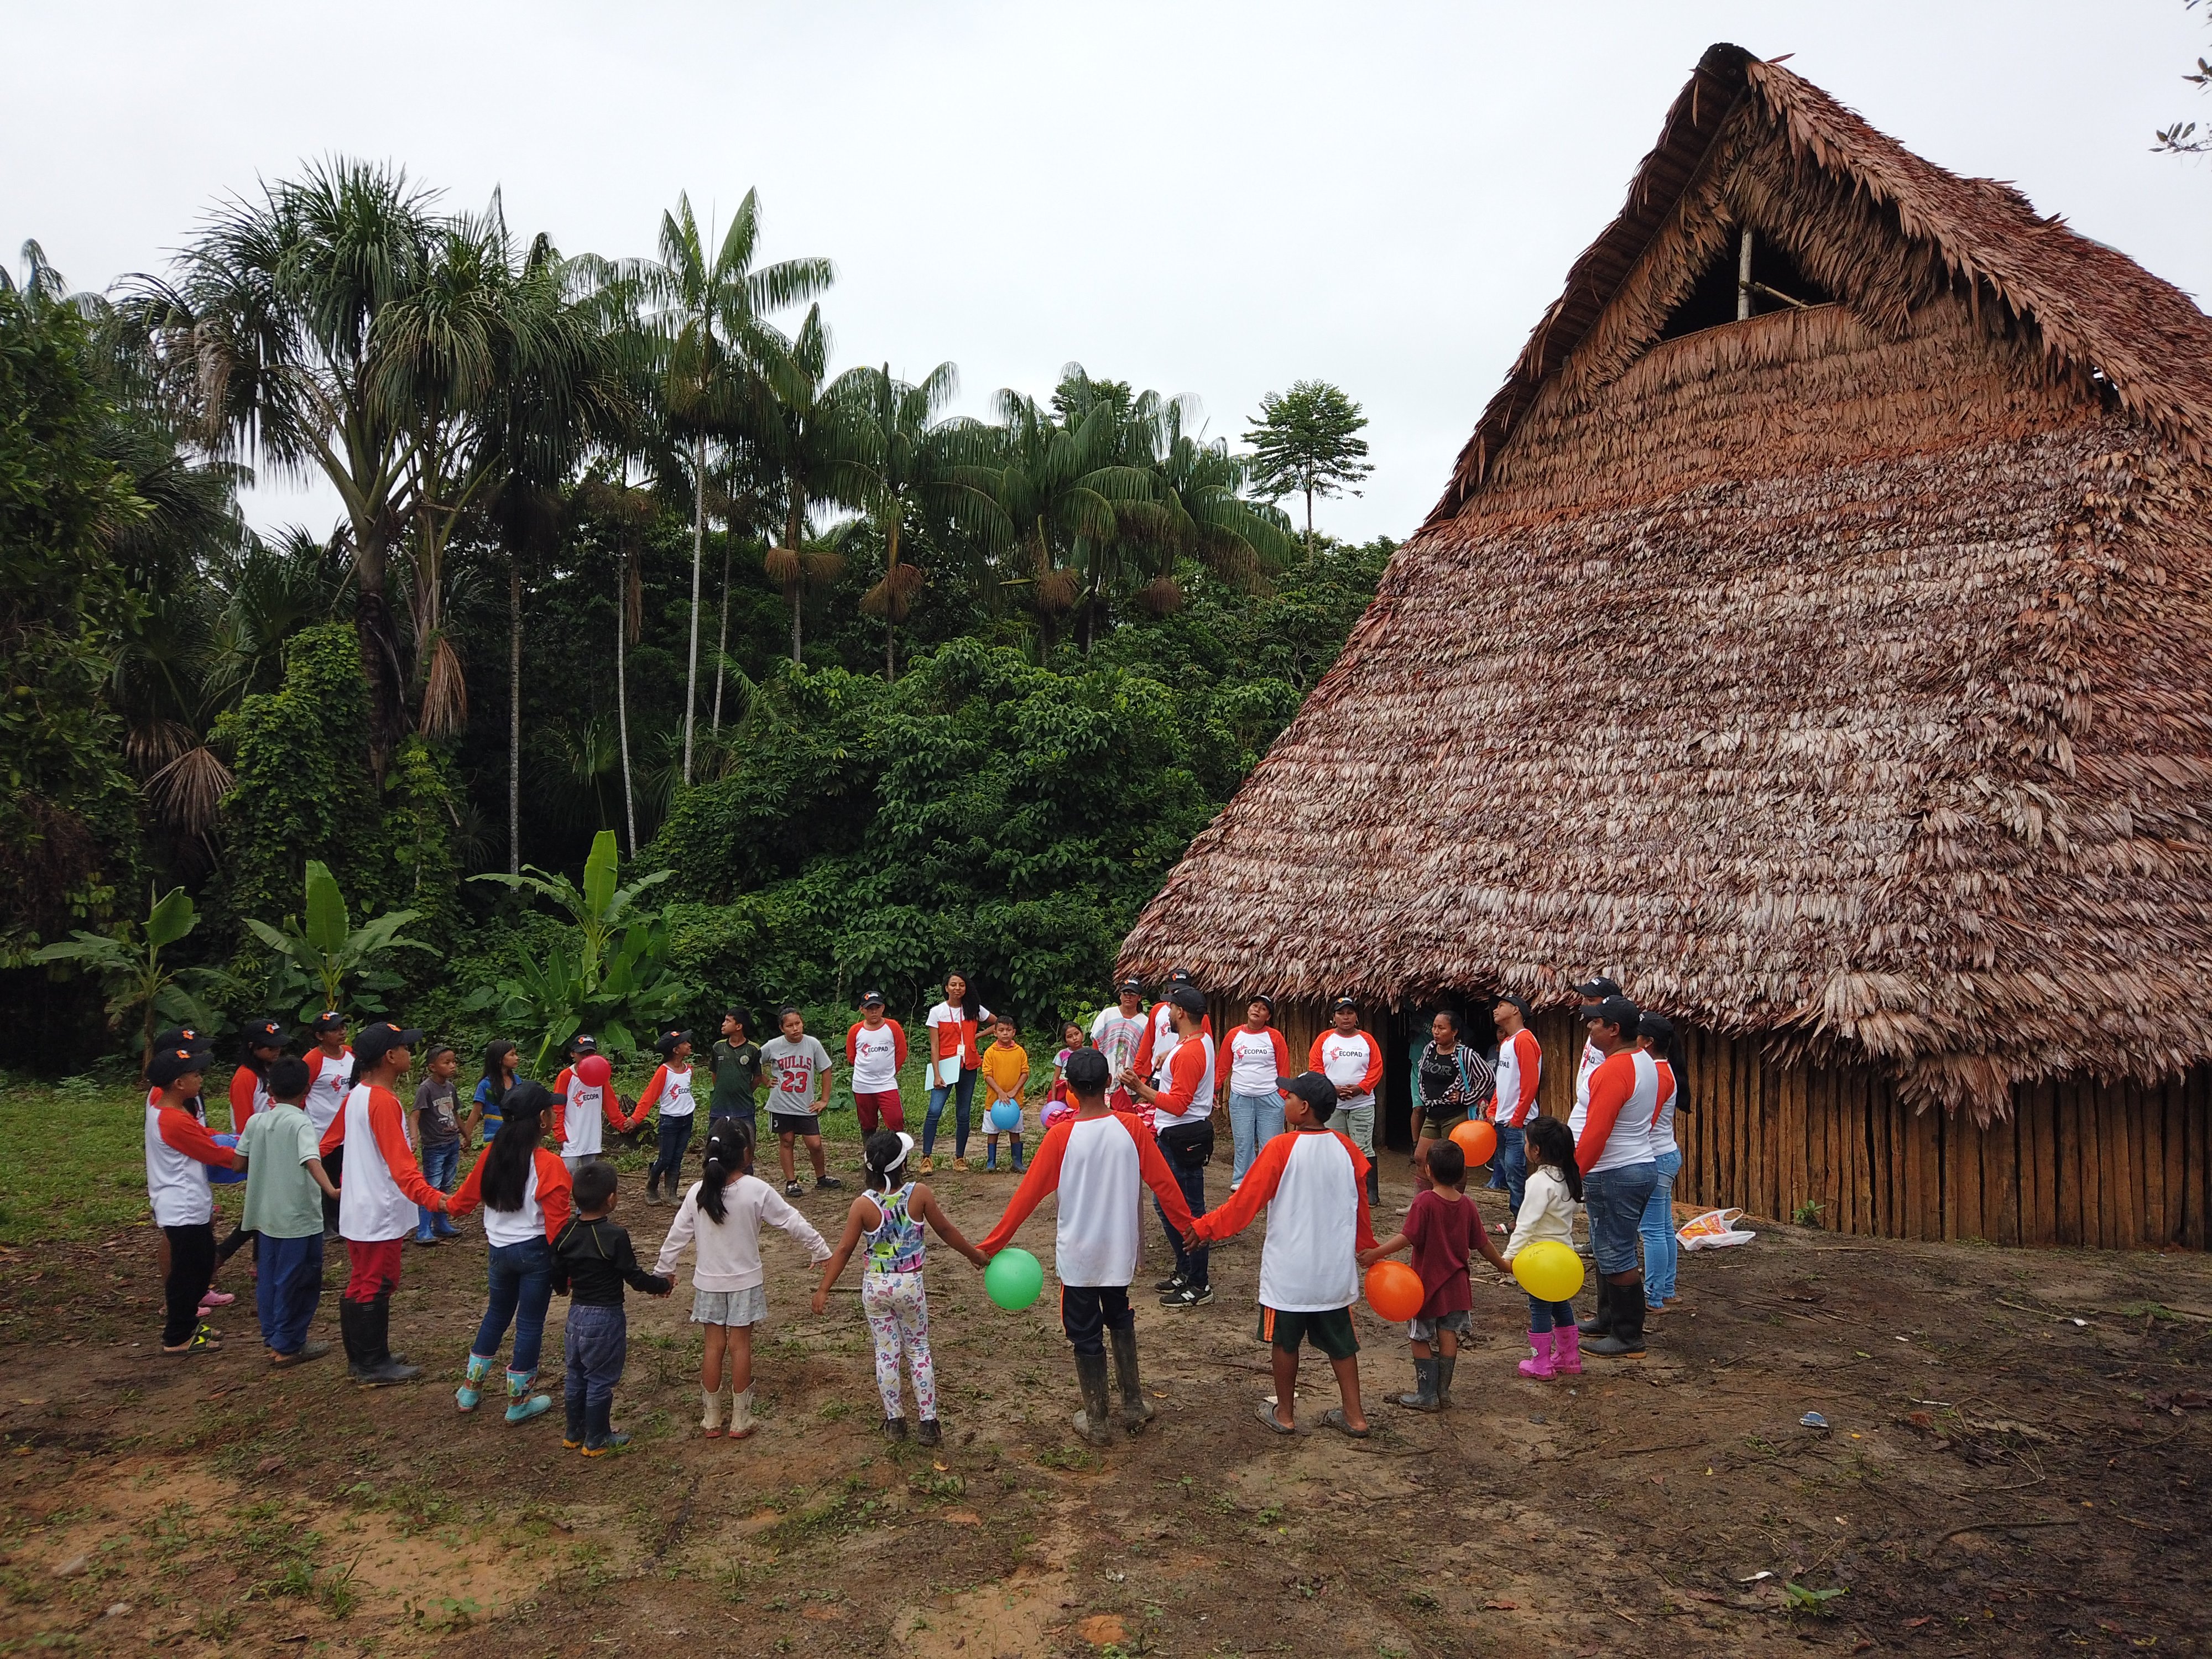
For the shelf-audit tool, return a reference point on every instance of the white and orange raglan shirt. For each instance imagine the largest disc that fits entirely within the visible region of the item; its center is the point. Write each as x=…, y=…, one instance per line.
x=328, y=1079
x=1520, y=1070
x=580, y=1109
x=875, y=1056
x=1350, y=1060
x=1314, y=1182
x=1626, y=1095
x=1662, y=1115
x=1183, y=1080
x=546, y=1201
x=382, y=1185
x=178, y=1150
x=1159, y=1037
x=1258, y=1061
x=1100, y=1167
x=670, y=1091
x=249, y=1093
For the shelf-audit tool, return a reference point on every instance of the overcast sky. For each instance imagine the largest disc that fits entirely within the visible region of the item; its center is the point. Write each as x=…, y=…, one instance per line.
x=1215, y=199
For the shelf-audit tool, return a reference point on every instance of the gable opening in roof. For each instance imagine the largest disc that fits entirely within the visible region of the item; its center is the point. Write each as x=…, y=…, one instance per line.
x=1733, y=287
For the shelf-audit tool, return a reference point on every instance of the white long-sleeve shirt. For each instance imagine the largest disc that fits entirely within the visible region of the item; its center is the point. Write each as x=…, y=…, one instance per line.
x=728, y=1252
x=1547, y=1211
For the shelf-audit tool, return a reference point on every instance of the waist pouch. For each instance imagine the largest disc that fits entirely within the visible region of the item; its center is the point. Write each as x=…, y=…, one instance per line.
x=1189, y=1144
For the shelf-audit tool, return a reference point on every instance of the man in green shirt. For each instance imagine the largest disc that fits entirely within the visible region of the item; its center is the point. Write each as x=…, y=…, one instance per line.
x=737, y=1066
x=285, y=1186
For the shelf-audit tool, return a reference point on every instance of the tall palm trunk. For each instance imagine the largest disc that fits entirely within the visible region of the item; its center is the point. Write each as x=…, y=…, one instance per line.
x=513, y=714
x=622, y=689
x=698, y=553
x=891, y=601
x=722, y=634
x=794, y=529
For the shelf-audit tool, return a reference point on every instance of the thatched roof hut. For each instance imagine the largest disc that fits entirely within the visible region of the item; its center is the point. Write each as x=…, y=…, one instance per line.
x=1812, y=635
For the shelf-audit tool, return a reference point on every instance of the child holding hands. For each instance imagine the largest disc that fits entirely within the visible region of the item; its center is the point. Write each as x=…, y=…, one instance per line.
x=1441, y=1228
x=724, y=1213
x=892, y=1294
x=592, y=1260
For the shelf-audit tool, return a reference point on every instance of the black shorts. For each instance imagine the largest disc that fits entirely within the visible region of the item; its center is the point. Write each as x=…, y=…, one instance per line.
x=795, y=1123
x=1329, y=1330
x=1088, y=1311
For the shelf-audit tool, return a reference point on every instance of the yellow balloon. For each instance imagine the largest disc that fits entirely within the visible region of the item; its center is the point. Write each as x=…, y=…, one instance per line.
x=1548, y=1270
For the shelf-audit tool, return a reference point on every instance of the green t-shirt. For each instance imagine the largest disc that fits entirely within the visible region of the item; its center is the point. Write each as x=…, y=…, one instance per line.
x=736, y=1068
x=281, y=1199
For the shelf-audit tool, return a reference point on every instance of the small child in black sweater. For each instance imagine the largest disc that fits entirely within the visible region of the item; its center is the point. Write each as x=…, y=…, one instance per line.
x=592, y=1261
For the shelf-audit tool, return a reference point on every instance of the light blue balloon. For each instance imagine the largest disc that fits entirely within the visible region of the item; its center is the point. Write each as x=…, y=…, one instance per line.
x=1006, y=1117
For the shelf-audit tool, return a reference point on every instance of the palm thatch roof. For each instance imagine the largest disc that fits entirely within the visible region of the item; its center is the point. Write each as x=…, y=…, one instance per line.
x=1836, y=676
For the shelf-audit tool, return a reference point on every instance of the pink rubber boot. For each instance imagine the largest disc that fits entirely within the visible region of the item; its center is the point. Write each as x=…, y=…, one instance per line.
x=1540, y=1365
x=1567, y=1356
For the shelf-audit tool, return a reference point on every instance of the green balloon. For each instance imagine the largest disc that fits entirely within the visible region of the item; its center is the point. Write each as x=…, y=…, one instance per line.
x=1014, y=1280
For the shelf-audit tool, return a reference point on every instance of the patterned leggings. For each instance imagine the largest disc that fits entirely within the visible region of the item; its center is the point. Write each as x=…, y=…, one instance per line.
x=898, y=1315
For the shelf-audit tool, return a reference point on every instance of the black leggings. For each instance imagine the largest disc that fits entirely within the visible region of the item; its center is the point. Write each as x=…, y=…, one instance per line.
x=191, y=1270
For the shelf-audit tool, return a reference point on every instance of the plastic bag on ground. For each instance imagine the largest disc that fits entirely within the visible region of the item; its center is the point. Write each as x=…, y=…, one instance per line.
x=1715, y=1230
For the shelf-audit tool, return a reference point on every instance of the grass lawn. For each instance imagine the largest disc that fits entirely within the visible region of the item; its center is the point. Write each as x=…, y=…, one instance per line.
x=72, y=1158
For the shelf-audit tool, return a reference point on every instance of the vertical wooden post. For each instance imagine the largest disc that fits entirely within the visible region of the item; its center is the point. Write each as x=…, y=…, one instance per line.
x=1743, y=276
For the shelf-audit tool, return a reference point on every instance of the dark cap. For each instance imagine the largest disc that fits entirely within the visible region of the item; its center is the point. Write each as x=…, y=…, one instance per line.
x=1521, y=1004
x=1598, y=990
x=182, y=1037
x=1316, y=1089
x=332, y=1021
x=583, y=1043
x=1190, y=1000
x=1134, y=986
x=1264, y=1000
x=1179, y=977
x=527, y=1099
x=1657, y=1027
x=872, y=999
x=375, y=1042
x=1614, y=1010
x=267, y=1034
x=1344, y=1002
x=168, y=1065
x=666, y=1045
x=1087, y=1071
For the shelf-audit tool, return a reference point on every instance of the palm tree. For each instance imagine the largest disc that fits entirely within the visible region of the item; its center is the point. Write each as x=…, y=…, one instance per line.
x=805, y=428
x=908, y=463
x=1198, y=511
x=709, y=318
x=277, y=309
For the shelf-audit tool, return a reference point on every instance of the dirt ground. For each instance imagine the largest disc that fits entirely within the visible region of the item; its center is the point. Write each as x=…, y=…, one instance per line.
x=2015, y=1463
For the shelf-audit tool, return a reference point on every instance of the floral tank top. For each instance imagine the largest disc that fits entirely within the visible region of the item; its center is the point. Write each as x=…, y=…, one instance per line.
x=894, y=1243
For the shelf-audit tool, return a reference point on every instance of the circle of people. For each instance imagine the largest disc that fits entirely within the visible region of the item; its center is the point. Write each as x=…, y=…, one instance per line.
x=326, y=1151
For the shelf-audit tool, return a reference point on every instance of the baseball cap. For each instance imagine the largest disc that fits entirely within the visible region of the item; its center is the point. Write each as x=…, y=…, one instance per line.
x=1087, y=1070
x=583, y=1043
x=1657, y=1027
x=1343, y=1002
x=332, y=1021
x=872, y=999
x=1511, y=1001
x=1179, y=977
x=1135, y=985
x=375, y=1042
x=527, y=1099
x=1264, y=1000
x=1316, y=1089
x=267, y=1034
x=168, y=1065
x=182, y=1037
x=1598, y=990
x=666, y=1044
x=1189, y=998
x=1614, y=1010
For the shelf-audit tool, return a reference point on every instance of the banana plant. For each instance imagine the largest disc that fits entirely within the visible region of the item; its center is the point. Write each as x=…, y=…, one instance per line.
x=553, y=995
x=598, y=907
x=129, y=962
x=329, y=950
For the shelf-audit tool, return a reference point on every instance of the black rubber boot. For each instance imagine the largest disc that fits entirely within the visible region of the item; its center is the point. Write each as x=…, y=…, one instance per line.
x=381, y=1367
x=573, y=1436
x=1093, y=1422
x=1424, y=1396
x=599, y=1435
x=1136, y=1410
x=1626, y=1340
x=1374, y=1184
x=359, y=1357
x=1444, y=1367
x=1600, y=1323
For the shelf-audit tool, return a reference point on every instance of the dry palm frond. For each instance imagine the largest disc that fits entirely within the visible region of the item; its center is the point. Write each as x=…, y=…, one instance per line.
x=822, y=566
x=154, y=744
x=445, y=693
x=188, y=791
x=893, y=596
x=1055, y=591
x=1161, y=596
x=784, y=565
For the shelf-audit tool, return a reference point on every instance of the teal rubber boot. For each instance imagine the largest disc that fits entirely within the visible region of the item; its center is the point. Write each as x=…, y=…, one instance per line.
x=469, y=1394
x=521, y=1404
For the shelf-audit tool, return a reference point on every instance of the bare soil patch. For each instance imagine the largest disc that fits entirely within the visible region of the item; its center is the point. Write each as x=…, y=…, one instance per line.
x=2015, y=1463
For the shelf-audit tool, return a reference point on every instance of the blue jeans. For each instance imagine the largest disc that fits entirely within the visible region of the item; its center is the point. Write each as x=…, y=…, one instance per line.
x=521, y=1285
x=1614, y=1199
x=1508, y=1165
x=668, y=1162
x=289, y=1286
x=963, y=1094
x=1542, y=1316
x=592, y=1348
x=1660, y=1248
x=1254, y=1119
x=439, y=1165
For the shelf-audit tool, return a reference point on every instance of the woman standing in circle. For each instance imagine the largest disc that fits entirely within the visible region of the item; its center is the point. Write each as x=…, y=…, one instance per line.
x=1453, y=1082
x=954, y=1061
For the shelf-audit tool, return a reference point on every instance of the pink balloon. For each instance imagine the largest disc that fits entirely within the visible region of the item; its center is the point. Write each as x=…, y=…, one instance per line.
x=595, y=1070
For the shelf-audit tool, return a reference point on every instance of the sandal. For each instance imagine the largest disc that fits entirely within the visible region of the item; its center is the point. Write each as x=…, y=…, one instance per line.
x=1333, y=1419
x=1267, y=1416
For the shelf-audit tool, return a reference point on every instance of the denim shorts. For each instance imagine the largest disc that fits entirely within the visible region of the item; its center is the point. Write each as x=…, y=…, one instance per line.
x=1425, y=1330
x=1615, y=1200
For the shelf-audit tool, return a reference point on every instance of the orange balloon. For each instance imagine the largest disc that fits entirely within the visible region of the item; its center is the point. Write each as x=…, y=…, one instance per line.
x=1476, y=1139
x=1393, y=1289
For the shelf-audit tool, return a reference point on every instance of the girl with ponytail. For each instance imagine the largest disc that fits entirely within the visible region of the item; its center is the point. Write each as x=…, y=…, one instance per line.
x=722, y=1215
x=525, y=1189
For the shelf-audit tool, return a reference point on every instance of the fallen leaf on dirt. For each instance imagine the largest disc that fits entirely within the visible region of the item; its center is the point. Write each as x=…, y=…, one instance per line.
x=1915, y=1624
x=269, y=1465
x=1101, y=1629
x=1502, y=1607
x=2179, y=1400
x=963, y=1518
